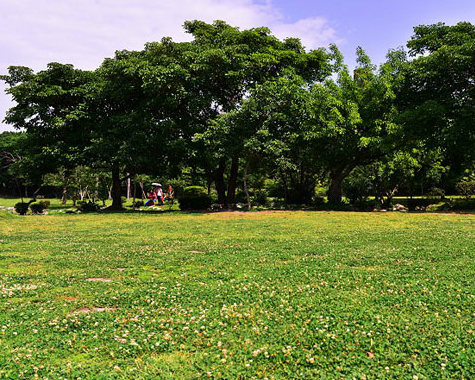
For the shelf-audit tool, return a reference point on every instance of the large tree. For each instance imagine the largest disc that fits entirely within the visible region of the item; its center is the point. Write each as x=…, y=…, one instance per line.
x=355, y=117
x=49, y=107
x=438, y=96
x=117, y=118
x=228, y=65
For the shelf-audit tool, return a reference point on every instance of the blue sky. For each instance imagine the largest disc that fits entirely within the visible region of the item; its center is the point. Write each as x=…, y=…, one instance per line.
x=378, y=25
x=84, y=32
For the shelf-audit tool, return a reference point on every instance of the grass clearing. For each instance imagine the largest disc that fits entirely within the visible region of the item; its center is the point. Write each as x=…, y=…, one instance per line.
x=277, y=295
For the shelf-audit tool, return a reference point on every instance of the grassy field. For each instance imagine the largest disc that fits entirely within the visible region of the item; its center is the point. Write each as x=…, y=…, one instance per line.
x=276, y=295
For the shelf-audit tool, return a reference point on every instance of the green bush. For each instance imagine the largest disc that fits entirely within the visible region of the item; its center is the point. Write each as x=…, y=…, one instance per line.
x=331, y=206
x=194, y=198
x=260, y=197
x=21, y=208
x=240, y=197
x=45, y=204
x=318, y=201
x=138, y=204
x=37, y=208
x=466, y=188
x=87, y=206
x=194, y=190
x=436, y=193
x=463, y=205
x=357, y=188
x=273, y=188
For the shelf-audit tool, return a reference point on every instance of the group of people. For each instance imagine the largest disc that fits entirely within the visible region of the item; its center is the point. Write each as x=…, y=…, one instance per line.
x=156, y=195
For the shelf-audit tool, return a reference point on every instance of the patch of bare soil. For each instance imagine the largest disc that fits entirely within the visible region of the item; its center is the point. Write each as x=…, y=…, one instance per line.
x=66, y=298
x=99, y=279
x=87, y=310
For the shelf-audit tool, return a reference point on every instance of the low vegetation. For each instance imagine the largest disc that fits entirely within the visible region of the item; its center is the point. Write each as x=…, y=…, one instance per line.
x=237, y=296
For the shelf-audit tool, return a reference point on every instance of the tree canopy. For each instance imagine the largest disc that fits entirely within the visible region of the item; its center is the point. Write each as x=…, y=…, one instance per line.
x=232, y=101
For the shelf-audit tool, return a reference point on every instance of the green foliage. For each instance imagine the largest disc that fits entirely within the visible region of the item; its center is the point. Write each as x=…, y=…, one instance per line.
x=45, y=203
x=194, y=198
x=357, y=187
x=260, y=197
x=466, y=188
x=87, y=206
x=194, y=191
x=241, y=196
x=138, y=204
x=37, y=208
x=436, y=193
x=21, y=208
x=437, y=95
x=231, y=99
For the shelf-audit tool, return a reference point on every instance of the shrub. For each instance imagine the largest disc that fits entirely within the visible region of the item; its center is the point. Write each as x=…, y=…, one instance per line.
x=45, y=204
x=436, y=193
x=37, y=208
x=138, y=204
x=87, y=206
x=357, y=188
x=441, y=206
x=330, y=206
x=21, y=208
x=318, y=201
x=466, y=188
x=260, y=197
x=463, y=204
x=194, y=198
x=273, y=188
x=194, y=190
x=240, y=197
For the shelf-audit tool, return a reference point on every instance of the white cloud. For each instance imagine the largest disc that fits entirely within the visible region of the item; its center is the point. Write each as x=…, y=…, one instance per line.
x=313, y=32
x=84, y=32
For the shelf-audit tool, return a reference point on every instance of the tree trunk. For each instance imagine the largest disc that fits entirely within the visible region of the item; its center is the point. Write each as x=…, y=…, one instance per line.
x=231, y=193
x=19, y=190
x=286, y=187
x=128, y=186
x=64, y=196
x=143, y=192
x=135, y=192
x=219, y=182
x=116, y=190
x=209, y=181
x=246, y=190
x=337, y=177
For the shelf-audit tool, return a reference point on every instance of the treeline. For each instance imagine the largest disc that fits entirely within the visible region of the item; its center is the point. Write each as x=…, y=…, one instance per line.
x=240, y=110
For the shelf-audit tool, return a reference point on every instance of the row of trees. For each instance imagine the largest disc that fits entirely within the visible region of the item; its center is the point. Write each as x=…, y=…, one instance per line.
x=232, y=105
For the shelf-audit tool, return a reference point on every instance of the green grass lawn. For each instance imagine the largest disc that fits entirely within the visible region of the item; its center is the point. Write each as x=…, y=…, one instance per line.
x=276, y=295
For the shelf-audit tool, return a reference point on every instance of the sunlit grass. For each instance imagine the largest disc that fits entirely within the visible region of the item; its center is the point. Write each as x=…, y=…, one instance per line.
x=277, y=295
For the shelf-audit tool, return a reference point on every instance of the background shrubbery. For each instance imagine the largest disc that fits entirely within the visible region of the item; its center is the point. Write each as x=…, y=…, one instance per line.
x=194, y=198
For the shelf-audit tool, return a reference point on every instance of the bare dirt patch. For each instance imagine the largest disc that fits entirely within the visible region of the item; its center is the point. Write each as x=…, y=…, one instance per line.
x=67, y=298
x=87, y=310
x=99, y=279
